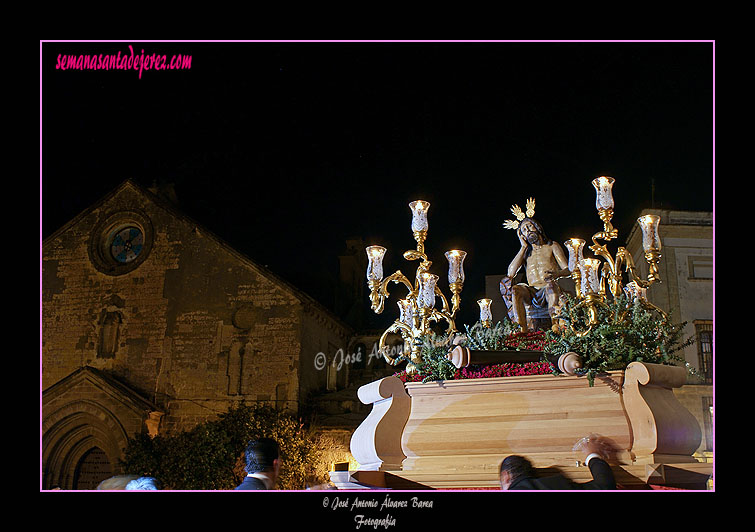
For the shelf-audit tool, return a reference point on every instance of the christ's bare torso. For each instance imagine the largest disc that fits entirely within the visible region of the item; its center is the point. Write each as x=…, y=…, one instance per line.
x=541, y=262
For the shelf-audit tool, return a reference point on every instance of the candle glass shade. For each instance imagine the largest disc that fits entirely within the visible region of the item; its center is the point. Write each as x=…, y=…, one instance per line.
x=574, y=246
x=419, y=215
x=375, y=256
x=405, y=309
x=456, y=265
x=603, y=194
x=426, y=294
x=590, y=282
x=485, y=314
x=635, y=291
x=651, y=239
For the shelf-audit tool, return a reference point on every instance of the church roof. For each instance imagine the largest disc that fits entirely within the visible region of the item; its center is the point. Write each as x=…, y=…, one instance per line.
x=102, y=381
x=303, y=297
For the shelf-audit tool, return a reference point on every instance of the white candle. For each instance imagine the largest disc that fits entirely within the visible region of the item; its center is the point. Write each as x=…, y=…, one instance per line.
x=456, y=265
x=485, y=313
x=590, y=280
x=419, y=215
x=574, y=246
x=603, y=196
x=650, y=237
x=375, y=256
x=426, y=296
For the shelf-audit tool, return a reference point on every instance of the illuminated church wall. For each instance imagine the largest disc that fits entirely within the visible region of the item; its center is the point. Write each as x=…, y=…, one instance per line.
x=144, y=297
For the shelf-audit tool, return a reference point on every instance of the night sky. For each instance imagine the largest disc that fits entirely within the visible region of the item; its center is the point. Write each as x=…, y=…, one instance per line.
x=285, y=150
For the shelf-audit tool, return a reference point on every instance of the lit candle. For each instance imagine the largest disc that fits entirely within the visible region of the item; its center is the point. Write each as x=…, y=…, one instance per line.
x=419, y=215
x=485, y=314
x=590, y=283
x=426, y=295
x=603, y=196
x=375, y=266
x=574, y=245
x=651, y=239
x=456, y=265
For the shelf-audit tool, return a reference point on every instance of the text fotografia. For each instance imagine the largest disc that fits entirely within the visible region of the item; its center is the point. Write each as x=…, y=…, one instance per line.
x=360, y=504
x=374, y=522
x=341, y=358
x=127, y=61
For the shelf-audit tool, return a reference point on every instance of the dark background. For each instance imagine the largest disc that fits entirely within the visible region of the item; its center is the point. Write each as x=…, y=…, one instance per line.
x=285, y=150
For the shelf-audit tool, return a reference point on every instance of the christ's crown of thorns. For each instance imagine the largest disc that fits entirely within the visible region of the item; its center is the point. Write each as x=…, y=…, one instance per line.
x=516, y=210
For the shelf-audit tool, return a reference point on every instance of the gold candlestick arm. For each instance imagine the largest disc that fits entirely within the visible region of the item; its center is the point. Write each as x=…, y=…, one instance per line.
x=456, y=297
x=576, y=276
x=406, y=334
x=440, y=294
x=591, y=302
x=439, y=315
x=420, y=237
x=631, y=269
x=379, y=290
x=609, y=231
x=653, y=257
x=418, y=307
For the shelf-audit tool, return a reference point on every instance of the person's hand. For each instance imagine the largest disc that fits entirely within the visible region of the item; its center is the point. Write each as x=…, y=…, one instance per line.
x=522, y=240
x=595, y=443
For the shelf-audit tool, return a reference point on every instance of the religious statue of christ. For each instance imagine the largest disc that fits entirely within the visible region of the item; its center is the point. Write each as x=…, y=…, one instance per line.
x=534, y=304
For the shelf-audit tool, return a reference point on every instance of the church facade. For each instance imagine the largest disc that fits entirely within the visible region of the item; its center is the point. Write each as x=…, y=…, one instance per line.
x=152, y=324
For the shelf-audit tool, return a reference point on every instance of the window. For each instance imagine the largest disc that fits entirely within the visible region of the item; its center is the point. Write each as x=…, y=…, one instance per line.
x=120, y=242
x=110, y=324
x=126, y=244
x=700, y=267
x=704, y=333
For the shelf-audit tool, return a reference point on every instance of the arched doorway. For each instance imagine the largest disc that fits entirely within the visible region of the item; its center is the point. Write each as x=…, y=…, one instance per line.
x=87, y=421
x=72, y=434
x=93, y=468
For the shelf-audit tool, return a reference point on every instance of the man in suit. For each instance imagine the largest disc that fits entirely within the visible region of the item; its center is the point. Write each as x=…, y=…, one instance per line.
x=517, y=472
x=262, y=465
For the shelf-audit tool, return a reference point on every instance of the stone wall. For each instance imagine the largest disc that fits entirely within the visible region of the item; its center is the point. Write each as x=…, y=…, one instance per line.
x=697, y=398
x=197, y=326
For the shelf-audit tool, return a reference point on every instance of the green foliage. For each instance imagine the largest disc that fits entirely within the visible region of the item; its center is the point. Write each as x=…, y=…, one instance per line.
x=210, y=456
x=480, y=338
x=626, y=332
x=435, y=366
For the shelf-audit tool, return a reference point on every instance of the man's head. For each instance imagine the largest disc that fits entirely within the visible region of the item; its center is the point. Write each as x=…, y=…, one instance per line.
x=143, y=483
x=532, y=231
x=514, y=467
x=262, y=456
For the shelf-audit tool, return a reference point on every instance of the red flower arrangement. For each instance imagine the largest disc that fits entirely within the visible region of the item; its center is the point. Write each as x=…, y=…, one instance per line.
x=504, y=370
x=533, y=341
x=489, y=371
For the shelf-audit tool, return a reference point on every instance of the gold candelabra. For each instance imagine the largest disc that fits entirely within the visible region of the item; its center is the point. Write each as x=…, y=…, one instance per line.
x=590, y=278
x=417, y=308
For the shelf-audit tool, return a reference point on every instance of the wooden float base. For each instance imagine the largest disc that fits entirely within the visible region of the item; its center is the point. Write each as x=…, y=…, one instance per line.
x=688, y=476
x=454, y=434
